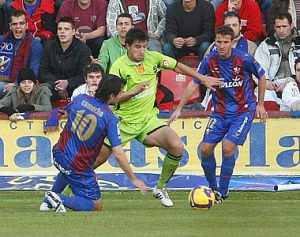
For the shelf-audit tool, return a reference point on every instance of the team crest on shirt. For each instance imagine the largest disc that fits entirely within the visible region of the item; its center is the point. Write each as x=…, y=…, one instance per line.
x=237, y=70
x=166, y=63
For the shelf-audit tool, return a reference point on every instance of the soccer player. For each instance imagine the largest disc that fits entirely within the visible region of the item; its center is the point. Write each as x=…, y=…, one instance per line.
x=138, y=116
x=90, y=120
x=234, y=107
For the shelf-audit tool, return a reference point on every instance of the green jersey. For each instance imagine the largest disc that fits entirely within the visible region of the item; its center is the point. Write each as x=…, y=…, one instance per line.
x=138, y=108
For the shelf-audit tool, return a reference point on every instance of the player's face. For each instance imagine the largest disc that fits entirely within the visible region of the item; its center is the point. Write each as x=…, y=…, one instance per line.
x=115, y=98
x=18, y=26
x=233, y=23
x=283, y=29
x=123, y=25
x=93, y=79
x=26, y=86
x=224, y=45
x=136, y=51
x=298, y=72
x=65, y=32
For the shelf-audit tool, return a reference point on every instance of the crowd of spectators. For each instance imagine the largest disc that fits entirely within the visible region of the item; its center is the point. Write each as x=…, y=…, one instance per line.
x=58, y=39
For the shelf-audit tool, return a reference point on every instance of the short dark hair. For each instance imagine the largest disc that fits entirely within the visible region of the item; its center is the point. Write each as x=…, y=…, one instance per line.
x=135, y=34
x=67, y=19
x=17, y=13
x=225, y=30
x=282, y=16
x=231, y=14
x=93, y=67
x=296, y=62
x=109, y=85
x=127, y=15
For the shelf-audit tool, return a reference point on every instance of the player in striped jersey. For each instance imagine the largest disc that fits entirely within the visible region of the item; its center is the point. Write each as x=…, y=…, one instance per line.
x=90, y=120
x=234, y=106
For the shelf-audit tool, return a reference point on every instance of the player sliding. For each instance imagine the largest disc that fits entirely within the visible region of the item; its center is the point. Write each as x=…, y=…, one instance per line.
x=234, y=107
x=90, y=120
x=138, y=116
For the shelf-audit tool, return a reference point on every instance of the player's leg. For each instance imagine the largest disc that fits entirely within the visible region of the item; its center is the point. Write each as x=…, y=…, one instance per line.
x=103, y=156
x=239, y=127
x=228, y=164
x=87, y=196
x=167, y=139
x=208, y=163
x=214, y=132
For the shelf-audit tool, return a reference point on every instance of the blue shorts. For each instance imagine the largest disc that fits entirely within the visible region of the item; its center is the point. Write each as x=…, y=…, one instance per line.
x=234, y=129
x=83, y=184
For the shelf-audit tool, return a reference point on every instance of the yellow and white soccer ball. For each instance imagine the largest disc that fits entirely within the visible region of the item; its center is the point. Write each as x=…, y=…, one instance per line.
x=201, y=198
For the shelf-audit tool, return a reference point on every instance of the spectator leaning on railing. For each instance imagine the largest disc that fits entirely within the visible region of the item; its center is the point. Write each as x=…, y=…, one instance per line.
x=27, y=96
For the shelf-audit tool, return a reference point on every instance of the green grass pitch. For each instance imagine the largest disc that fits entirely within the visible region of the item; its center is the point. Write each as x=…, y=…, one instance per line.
x=130, y=214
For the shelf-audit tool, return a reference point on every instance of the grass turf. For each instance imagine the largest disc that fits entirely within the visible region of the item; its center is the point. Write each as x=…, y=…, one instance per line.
x=130, y=214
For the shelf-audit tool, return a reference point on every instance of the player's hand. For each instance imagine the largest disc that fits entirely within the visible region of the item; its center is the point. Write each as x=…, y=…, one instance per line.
x=140, y=185
x=141, y=87
x=174, y=116
x=261, y=113
x=211, y=82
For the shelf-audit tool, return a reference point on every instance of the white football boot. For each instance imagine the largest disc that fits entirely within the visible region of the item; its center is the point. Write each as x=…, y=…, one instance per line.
x=163, y=195
x=55, y=201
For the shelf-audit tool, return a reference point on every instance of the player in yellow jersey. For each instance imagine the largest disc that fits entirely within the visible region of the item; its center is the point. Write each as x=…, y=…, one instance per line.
x=138, y=116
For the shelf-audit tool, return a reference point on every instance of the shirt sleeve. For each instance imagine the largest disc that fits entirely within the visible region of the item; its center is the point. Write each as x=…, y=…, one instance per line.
x=113, y=132
x=202, y=69
x=166, y=62
x=254, y=67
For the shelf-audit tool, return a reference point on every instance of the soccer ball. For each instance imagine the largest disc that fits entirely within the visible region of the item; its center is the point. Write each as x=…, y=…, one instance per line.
x=201, y=198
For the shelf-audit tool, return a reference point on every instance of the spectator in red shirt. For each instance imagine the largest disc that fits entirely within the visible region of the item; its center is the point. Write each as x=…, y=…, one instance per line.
x=40, y=17
x=250, y=14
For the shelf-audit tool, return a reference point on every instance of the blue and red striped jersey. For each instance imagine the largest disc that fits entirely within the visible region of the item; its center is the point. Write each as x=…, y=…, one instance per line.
x=236, y=96
x=89, y=122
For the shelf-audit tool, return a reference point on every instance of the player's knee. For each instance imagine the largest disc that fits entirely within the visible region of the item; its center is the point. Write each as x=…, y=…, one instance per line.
x=205, y=151
x=228, y=150
x=177, y=148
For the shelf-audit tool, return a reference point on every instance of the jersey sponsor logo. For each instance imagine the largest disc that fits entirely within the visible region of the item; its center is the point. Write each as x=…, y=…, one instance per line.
x=236, y=82
x=240, y=130
x=145, y=93
x=60, y=168
x=210, y=125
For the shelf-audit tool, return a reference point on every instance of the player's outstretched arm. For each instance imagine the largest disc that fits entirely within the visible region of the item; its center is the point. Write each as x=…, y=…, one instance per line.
x=188, y=92
x=209, y=82
x=128, y=95
x=260, y=108
x=123, y=162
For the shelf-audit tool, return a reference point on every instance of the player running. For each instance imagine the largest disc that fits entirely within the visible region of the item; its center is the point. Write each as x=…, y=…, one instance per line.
x=234, y=107
x=138, y=116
